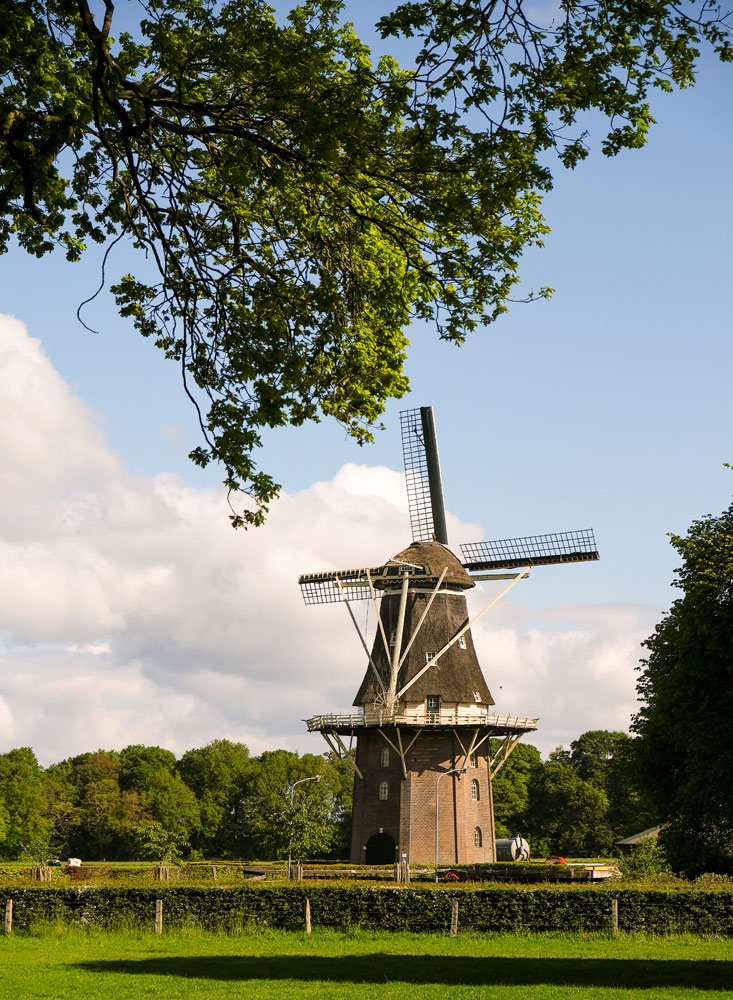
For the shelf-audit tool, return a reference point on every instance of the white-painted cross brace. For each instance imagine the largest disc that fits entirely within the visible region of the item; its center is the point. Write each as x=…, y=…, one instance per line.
x=466, y=627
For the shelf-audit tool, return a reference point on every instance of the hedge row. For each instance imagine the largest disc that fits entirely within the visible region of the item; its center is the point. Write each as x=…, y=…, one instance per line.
x=140, y=874
x=414, y=908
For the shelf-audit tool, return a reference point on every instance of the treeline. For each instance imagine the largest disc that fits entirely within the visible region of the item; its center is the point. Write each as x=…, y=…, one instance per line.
x=218, y=801
x=141, y=802
x=579, y=802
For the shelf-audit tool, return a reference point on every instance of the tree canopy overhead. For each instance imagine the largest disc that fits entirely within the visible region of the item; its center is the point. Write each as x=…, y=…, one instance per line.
x=296, y=204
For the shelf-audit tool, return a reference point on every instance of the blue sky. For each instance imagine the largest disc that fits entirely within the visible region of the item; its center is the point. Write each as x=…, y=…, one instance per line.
x=608, y=406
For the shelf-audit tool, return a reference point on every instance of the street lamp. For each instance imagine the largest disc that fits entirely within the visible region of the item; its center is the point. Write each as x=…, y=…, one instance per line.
x=315, y=777
x=453, y=770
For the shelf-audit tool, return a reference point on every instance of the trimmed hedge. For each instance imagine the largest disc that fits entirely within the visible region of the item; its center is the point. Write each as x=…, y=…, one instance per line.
x=410, y=908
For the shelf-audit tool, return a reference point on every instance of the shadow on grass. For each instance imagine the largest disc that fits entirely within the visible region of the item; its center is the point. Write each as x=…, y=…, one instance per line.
x=378, y=968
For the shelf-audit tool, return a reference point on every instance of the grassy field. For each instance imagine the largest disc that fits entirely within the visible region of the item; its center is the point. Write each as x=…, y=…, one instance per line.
x=365, y=966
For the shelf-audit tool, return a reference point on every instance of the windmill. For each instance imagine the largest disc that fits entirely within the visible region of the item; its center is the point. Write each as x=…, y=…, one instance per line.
x=424, y=709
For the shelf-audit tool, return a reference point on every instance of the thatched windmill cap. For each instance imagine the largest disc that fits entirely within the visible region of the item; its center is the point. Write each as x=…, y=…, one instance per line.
x=435, y=557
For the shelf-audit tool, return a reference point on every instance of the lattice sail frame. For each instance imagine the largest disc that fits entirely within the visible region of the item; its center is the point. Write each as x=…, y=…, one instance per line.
x=336, y=586
x=534, y=550
x=416, y=476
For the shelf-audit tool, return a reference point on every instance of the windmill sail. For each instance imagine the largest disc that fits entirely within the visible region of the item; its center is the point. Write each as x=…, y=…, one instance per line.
x=422, y=475
x=535, y=550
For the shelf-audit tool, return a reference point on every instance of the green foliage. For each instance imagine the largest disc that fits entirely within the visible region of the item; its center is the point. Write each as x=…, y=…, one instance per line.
x=216, y=774
x=568, y=813
x=296, y=205
x=414, y=908
x=645, y=862
x=511, y=789
x=304, y=828
x=685, y=750
x=139, y=763
x=164, y=844
x=25, y=826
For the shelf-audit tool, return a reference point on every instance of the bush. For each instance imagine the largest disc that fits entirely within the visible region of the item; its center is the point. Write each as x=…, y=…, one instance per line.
x=646, y=862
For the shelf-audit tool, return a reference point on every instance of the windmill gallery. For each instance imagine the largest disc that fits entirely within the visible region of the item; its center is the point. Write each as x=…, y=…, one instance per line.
x=424, y=711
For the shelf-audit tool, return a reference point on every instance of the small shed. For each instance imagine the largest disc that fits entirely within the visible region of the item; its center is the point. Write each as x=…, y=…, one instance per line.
x=629, y=843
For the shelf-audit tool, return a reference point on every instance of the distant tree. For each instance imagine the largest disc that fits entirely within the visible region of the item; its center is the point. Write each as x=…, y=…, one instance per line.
x=337, y=791
x=685, y=723
x=512, y=787
x=606, y=760
x=266, y=815
x=172, y=804
x=139, y=763
x=217, y=774
x=105, y=816
x=295, y=205
x=25, y=816
x=568, y=815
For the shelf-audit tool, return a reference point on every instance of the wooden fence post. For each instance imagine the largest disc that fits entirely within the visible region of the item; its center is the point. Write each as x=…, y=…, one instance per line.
x=614, y=916
x=9, y=917
x=158, y=916
x=454, y=918
x=307, y=916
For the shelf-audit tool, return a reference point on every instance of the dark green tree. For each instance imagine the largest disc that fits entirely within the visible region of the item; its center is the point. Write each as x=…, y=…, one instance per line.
x=104, y=816
x=685, y=723
x=568, y=816
x=269, y=821
x=606, y=760
x=139, y=763
x=217, y=774
x=512, y=789
x=25, y=815
x=296, y=205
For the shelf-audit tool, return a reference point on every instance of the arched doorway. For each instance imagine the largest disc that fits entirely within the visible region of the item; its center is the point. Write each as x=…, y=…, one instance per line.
x=380, y=849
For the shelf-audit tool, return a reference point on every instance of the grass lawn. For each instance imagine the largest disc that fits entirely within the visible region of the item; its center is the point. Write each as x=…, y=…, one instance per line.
x=71, y=965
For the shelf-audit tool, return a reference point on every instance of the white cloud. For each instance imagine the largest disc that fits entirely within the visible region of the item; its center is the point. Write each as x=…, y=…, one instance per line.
x=132, y=612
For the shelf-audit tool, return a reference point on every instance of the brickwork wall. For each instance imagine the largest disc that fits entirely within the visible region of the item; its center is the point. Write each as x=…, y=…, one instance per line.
x=408, y=815
x=371, y=814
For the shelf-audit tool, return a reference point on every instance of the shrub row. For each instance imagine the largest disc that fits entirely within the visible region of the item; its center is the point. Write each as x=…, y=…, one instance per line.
x=413, y=908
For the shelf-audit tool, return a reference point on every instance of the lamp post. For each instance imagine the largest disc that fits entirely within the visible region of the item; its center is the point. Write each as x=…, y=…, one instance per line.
x=453, y=770
x=315, y=777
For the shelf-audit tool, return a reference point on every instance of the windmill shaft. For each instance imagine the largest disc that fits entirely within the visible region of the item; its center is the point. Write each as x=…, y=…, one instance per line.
x=435, y=482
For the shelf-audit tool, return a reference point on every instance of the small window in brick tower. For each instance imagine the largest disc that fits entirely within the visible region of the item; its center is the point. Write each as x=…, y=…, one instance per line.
x=474, y=791
x=384, y=757
x=472, y=760
x=383, y=790
x=477, y=841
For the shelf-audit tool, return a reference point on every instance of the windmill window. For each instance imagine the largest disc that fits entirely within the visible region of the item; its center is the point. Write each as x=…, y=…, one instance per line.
x=477, y=696
x=477, y=838
x=432, y=702
x=475, y=794
x=393, y=637
x=383, y=791
x=472, y=760
x=428, y=657
x=462, y=642
x=384, y=757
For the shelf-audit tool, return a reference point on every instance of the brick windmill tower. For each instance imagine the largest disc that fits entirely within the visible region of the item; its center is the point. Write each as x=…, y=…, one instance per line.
x=424, y=710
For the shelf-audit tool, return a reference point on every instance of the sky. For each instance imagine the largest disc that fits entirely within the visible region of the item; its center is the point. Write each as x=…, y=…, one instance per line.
x=131, y=612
